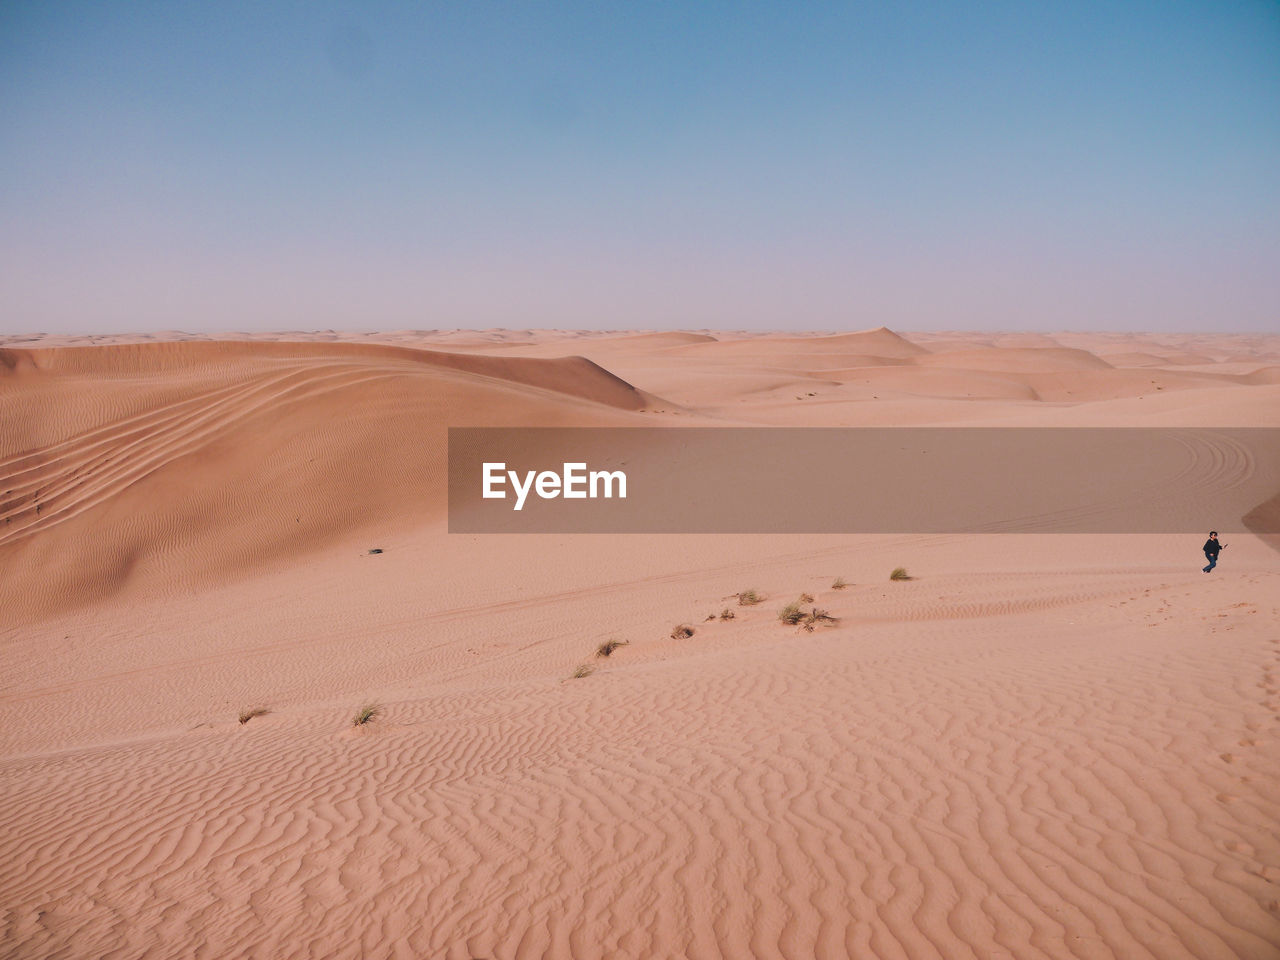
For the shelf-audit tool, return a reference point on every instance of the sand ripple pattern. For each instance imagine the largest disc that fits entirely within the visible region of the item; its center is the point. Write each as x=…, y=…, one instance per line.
x=861, y=793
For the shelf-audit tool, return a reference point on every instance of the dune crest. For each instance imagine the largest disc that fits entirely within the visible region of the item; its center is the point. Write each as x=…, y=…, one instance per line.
x=575, y=376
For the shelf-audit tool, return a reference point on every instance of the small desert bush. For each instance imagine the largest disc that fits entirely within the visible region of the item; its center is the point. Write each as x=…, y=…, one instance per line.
x=682, y=632
x=727, y=614
x=815, y=617
x=247, y=715
x=749, y=598
x=791, y=614
x=838, y=584
x=368, y=712
x=609, y=646
x=794, y=615
x=583, y=670
x=899, y=573
x=806, y=598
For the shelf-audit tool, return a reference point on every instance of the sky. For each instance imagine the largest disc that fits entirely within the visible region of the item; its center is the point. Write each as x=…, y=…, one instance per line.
x=658, y=165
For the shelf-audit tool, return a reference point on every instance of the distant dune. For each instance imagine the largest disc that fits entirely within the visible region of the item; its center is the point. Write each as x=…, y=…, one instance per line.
x=881, y=343
x=1020, y=359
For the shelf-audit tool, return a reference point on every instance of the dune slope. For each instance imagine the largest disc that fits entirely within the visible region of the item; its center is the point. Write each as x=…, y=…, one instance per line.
x=172, y=464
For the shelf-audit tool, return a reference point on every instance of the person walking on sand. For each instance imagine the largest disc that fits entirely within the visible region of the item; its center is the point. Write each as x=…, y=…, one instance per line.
x=1211, y=549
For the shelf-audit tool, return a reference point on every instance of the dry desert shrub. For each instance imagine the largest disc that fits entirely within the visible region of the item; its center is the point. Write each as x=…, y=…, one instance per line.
x=367, y=713
x=806, y=598
x=838, y=584
x=727, y=614
x=815, y=617
x=682, y=632
x=583, y=670
x=900, y=573
x=749, y=598
x=247, y=715
x=791, y=614
x=606, y=648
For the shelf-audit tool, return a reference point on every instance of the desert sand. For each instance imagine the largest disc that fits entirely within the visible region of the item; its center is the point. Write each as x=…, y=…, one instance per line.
x=1043, y=745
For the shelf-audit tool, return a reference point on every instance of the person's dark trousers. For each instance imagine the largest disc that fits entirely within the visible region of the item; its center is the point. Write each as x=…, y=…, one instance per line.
x=1213, y=560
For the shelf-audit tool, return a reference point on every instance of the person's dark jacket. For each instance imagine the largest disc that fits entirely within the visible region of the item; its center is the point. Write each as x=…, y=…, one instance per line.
x=1211, y=547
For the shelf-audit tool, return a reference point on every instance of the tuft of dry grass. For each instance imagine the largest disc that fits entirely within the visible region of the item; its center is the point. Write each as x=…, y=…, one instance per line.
x=806, y=598
x=815, y=617
x=727, y=614
x=583, y=670
x=708, y=618
x=682, y=632
x=749, y=598
x=900, y=573
x=247, y=715
x=606, y=648
x=367, y=713
x=791, y=614
x=838, y=584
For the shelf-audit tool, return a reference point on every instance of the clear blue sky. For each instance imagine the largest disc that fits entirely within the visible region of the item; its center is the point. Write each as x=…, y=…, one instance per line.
x=925, y=165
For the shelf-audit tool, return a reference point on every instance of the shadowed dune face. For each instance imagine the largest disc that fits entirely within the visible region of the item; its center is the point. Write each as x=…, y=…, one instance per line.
x=1038, y=747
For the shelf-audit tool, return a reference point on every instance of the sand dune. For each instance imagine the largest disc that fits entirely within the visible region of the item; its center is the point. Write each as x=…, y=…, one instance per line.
x=235, y=455
x=880, y=343
x=1261, y=376
x=1044, y=746
x=1134, y=358
x=1021, y=359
